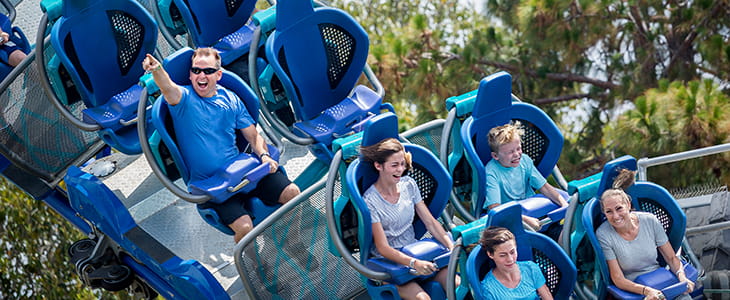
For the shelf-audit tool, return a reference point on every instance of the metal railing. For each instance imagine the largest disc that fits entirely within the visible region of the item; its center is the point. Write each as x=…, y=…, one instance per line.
x=644, y=163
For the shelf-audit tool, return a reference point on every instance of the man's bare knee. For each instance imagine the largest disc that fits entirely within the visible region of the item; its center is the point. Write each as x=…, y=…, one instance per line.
x=241, y=226
x=16, y=57
x=291, y=191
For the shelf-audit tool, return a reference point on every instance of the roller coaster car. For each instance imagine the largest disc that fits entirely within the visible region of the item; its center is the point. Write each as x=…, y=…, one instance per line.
x=559, y=271
x=542, y=141
x=318, y=55
x=17, y=37
x=647, y=197
x=239, y=175
x=101, y=45
x=434, y=184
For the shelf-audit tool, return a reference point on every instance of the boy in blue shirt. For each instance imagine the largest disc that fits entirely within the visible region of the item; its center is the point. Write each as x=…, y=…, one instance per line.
x=511, y=174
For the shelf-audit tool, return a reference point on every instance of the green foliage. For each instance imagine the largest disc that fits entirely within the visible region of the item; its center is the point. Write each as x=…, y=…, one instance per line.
x=34, y=240
x=677, y=117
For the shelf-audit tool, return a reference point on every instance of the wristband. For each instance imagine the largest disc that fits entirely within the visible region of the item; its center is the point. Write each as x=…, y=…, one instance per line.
x=643, y=289
x=412, y=263
x=261, y=156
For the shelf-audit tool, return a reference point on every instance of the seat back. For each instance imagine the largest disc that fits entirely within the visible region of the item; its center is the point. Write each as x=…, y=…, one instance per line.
x=102, y=45
x=318, y=55
x=493, y=107
x=559, y=271
x=645, y=196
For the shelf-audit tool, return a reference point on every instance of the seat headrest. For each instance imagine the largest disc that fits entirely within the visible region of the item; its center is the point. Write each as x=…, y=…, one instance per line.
x=290, y=12
x=508, y=215
x=379, y=128
x=494, y=95
x=178, y=65
x=611, y=169
x=72, y=7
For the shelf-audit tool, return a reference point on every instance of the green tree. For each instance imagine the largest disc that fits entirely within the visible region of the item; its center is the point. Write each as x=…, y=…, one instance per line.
x=34, y=240
x=676, y=117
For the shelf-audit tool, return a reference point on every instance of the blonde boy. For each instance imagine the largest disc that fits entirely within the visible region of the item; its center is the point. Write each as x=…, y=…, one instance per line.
x=511, y=175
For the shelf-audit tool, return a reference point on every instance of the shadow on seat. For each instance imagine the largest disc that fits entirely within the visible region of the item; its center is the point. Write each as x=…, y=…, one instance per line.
x=542, y=140
x=434, y=183
x=647, y=197
x=101, y=45
x=318, y=55
x=559, y=271
x=18, y=38
x=245, y=168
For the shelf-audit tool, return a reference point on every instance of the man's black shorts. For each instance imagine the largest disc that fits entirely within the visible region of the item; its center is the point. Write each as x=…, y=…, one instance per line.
x=268, y=190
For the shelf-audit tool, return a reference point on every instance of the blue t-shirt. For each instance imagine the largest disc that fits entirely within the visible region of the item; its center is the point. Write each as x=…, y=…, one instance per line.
x=206, y=129
x=531, y=280
x=508, y=184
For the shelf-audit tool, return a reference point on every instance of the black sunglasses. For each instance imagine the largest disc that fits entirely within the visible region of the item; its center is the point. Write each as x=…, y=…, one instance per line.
x=207, y=71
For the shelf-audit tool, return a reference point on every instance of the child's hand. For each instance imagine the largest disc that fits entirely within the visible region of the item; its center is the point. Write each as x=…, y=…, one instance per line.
x=532, y=222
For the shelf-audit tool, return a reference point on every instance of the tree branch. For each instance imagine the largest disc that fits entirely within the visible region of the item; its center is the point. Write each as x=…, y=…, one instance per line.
x=552, y=76
x=689, y=40
x=562, y=98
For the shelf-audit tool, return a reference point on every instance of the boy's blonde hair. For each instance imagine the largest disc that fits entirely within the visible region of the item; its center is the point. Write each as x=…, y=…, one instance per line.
x=504, y=134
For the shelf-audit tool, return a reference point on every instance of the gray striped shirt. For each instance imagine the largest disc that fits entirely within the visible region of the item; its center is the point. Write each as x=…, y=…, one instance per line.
x=396, y=219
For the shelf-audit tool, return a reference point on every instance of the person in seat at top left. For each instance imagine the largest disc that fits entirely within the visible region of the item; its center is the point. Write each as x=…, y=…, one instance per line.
x=10, y=53
x=209, y=115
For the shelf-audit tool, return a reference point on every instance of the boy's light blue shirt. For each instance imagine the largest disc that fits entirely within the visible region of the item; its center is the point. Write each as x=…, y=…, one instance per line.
x=508, y=184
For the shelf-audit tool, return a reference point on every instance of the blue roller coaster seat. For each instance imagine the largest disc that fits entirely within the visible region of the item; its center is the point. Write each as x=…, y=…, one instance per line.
x=647, y=197
x=559, y=271
x=17, y=37
x=102, y=44
x=245, y=166
x=434, y=183
x=318, y=55
x=493, y=107
x=223, y=25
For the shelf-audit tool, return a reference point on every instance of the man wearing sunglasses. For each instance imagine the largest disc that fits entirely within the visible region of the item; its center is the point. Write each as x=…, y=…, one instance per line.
x=206, y=116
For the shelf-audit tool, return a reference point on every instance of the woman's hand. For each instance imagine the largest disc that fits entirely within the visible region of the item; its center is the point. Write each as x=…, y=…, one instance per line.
x=423, y=267
x=690, y=286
